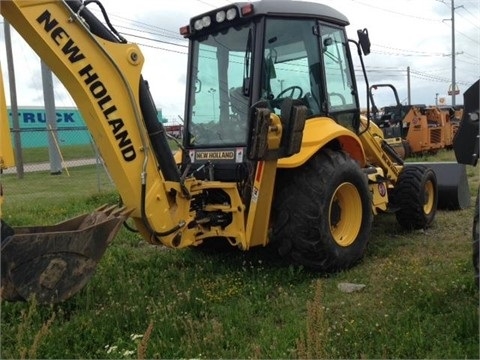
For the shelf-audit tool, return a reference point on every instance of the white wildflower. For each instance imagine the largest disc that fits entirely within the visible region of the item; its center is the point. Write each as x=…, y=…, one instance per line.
x=136, y=336
x=127, y=353
x=112, y=349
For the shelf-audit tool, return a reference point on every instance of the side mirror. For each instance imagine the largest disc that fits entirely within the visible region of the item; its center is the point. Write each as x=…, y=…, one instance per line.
x=364, y=41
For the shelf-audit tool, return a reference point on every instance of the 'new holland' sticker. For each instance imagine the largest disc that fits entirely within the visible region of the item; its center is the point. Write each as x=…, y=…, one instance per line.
x=228, y=155
x=215, y=155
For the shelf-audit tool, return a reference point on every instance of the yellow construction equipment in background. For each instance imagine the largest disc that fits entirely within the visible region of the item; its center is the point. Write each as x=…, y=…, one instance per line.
x=416, y=129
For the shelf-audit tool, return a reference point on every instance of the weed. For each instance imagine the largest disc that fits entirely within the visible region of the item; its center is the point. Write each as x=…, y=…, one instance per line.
x=27, y=338
x=142, y=346
x=312, y=345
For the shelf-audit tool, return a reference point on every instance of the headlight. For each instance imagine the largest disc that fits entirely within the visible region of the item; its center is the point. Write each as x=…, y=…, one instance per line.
x=202, y=23
x=206, y=21
x=231, y=14
x=220, y=17
x=198, y=24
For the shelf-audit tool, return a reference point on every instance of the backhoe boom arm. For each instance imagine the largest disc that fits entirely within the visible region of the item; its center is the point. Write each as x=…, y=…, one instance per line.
x=102, y=72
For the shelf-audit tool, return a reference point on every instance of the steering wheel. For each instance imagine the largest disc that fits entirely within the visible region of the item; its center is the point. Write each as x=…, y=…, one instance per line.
x=290, y=91
x=342, y=98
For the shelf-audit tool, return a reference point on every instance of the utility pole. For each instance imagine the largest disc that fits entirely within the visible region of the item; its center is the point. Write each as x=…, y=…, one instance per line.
x=50, y=121
x=409, y=96
x=454, y=86
x=213, y=91
x=13, y=102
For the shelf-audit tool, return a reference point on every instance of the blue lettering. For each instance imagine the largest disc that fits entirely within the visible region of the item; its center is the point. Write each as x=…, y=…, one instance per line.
x=41, y=117
x=28, y=117
x=68, y=117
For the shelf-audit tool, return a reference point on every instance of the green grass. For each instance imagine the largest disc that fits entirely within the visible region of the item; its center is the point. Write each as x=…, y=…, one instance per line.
x=149, y=302
x=70, y=152
x=40, y=197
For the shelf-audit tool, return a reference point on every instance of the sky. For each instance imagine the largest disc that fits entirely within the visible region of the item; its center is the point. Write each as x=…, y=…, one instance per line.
x=405, y=34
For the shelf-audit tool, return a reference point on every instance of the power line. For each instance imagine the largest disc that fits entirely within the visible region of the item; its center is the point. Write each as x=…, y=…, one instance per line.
x=156, y=40
x=178, y=37
x=463, y=7
x=419, y=53
x=140, y=24
x=162, y=49
x=397, y=13
x=435, y=78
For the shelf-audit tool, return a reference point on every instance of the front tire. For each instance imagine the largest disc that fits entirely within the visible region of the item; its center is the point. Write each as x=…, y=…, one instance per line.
x=415, y=196
x=322, y=213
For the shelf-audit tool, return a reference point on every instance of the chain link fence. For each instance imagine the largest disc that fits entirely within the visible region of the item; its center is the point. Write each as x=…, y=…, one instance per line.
x=61, y=146
x=66, y=151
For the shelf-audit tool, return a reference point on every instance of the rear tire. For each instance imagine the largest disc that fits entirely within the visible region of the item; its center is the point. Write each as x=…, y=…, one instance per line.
x=322, y=213
x=416, y=197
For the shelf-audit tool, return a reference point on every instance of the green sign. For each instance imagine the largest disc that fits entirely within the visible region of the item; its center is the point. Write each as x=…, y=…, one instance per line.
x=71, y=128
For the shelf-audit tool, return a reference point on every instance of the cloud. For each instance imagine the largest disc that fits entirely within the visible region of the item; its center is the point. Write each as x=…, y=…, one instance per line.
x=405, y=34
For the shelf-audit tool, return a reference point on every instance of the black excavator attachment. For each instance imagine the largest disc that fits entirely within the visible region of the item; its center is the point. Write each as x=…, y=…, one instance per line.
x=466, y=140
x=53, y=263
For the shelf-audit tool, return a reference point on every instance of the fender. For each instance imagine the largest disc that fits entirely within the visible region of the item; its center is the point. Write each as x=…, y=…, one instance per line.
x=311, y=143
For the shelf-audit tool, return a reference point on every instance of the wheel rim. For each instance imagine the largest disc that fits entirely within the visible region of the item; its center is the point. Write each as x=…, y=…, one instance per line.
x=345, y=214
x=429, y=197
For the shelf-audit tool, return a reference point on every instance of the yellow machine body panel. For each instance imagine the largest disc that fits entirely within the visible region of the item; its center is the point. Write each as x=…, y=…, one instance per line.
x=6, y=149
x=312, y=142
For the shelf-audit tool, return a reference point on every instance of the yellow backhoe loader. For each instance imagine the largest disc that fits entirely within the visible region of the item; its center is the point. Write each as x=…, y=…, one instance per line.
x=275, y=152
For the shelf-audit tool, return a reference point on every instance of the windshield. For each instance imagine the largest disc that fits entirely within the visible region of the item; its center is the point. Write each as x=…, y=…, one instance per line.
x=219, y=107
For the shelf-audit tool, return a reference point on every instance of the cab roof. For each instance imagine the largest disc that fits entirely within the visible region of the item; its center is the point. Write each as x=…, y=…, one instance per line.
x=297, y=9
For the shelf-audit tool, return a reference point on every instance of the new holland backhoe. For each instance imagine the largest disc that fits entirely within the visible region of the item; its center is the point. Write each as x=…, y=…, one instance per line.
x=275, y=152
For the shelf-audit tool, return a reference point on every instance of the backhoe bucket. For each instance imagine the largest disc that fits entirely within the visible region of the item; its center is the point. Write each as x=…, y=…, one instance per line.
x=452, y=184
x=53, y=263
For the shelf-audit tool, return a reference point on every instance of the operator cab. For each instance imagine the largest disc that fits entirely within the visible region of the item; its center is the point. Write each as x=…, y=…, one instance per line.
x=267, y=51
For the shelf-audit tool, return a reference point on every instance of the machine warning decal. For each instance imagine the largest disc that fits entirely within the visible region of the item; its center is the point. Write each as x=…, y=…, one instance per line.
x=382, y=190
x=239, y=156
x=255, y=192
